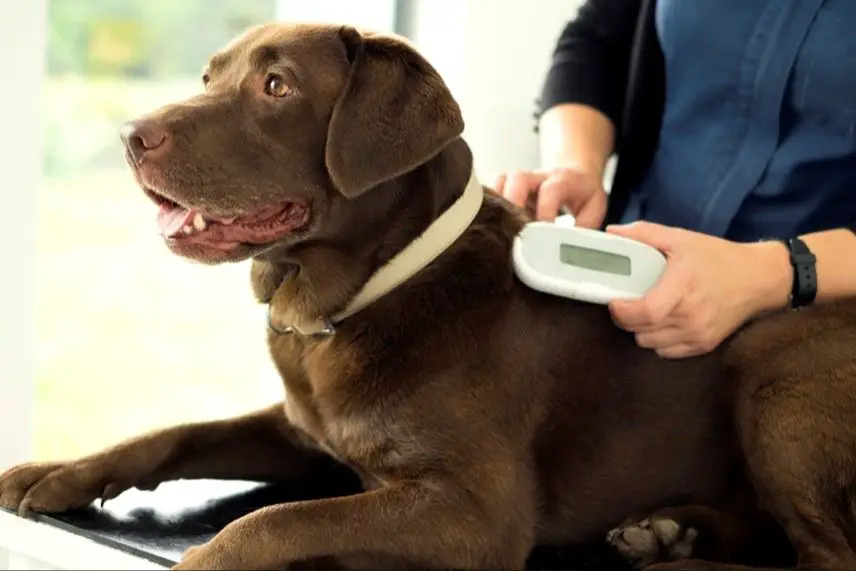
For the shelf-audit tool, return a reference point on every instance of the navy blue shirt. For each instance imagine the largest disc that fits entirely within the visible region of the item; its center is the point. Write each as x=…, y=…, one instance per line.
x=758, y=138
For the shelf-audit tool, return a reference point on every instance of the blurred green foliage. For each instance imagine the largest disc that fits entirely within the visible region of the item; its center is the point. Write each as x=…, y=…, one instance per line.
x=151, y=38
x=110, y=60
x=99, y=267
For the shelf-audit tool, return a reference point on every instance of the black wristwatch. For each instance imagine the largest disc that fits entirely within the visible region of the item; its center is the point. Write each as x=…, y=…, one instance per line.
x=804, y=288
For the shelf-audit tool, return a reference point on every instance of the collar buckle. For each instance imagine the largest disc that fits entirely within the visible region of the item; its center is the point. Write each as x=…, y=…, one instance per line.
x=326, y=329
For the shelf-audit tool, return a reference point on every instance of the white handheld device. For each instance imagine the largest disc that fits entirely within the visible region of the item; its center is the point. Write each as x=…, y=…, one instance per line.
x=587, y=265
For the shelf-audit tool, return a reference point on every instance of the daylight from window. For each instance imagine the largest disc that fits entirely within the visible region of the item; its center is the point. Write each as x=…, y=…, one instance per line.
x=130, y=337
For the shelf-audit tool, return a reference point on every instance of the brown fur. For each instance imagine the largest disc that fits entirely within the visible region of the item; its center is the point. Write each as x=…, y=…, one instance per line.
x=483, y=417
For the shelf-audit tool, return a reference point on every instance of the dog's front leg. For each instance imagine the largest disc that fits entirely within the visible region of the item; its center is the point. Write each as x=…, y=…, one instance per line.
x=256, y=446
x=408, y=524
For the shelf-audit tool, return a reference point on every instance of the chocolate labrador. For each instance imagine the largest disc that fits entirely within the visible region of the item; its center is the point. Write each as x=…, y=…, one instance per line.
x=482, y=417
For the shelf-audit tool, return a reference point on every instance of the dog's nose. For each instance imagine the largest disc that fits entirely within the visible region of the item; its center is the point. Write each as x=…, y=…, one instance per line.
x=142, y=137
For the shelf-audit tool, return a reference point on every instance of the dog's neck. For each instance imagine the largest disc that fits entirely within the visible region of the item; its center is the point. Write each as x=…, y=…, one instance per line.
x=332, y=286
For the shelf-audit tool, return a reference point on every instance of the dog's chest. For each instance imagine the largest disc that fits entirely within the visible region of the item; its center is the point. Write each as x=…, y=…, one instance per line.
x=361, y=441
x=354, y=432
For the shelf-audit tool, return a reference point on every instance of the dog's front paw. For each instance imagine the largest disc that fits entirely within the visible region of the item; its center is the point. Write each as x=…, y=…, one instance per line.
x=653, y=540
x=56, y=486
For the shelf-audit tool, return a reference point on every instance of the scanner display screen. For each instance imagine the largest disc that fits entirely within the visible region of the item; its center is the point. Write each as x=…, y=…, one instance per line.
x=596, y=260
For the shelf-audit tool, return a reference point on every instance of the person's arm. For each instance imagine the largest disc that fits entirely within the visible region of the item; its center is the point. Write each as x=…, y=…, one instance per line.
x=575, y=136
x=581, y=101
x=835, y=251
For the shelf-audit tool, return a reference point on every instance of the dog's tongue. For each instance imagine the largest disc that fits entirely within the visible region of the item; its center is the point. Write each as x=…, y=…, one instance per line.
x=172, y=218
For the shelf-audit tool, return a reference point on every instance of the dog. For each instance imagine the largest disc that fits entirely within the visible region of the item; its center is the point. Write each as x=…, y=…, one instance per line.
x=482, y=417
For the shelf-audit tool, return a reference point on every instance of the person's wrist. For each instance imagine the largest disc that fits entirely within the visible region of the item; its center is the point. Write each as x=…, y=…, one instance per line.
x=575, y=136
x=579, y=159
x=578, y=165
x=771, y=277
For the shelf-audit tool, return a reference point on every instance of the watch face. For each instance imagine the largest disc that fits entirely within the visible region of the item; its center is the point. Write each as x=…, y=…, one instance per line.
x=596, y=260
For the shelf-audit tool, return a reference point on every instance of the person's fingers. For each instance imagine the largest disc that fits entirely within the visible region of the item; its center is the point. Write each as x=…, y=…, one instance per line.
x=519, y=185
x=667, y=323
x=499, y=185
x=679, y=351
x=593, y=212
x=551, y=196
x=664, y=238
x=661, y=338
x=654, y=308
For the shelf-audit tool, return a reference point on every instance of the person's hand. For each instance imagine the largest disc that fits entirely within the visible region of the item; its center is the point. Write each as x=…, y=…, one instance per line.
x=710, y=288
x=578, y=190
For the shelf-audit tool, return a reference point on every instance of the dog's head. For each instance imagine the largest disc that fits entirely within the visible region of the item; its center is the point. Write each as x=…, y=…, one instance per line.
x=296, y=124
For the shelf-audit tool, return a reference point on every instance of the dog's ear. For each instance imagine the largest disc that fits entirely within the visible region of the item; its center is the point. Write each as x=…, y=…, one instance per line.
x=394, y=114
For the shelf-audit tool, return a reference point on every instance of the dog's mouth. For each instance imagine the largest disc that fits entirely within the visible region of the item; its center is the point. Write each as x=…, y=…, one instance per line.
x=178, y=223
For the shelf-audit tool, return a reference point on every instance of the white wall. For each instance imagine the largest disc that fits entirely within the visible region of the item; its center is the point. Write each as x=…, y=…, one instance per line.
x=494, y=55
x=22, y=33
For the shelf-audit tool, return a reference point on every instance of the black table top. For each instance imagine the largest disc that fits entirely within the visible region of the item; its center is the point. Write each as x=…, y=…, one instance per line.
x=160, y=525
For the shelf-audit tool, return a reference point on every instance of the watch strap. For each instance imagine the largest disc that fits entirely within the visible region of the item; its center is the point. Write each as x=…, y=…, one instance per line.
x=803, y=262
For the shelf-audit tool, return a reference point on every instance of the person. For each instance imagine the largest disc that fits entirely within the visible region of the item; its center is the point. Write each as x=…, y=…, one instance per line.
x=734, y=128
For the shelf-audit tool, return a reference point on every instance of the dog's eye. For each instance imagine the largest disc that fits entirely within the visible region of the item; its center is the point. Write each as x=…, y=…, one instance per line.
x=275, y=86
x=205, y=78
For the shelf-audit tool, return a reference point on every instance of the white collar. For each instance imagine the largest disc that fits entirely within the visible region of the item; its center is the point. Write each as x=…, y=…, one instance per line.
x=435, y=240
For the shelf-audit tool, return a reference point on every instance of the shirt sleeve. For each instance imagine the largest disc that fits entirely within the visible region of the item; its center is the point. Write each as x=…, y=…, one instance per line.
x=590, y=62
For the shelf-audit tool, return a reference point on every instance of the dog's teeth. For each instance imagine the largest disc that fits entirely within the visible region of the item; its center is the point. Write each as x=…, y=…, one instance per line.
x=187, y=229
x=199, y=222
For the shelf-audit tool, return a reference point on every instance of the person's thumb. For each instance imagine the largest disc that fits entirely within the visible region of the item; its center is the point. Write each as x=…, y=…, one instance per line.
x=517, y=186
x=660, y=301
x=593, y=212
x=551, y=195
x=664, y=238
x=499, y=184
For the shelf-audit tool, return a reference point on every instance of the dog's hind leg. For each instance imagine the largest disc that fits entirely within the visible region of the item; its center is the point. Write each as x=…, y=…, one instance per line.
x=799, y=461
x=257, y=446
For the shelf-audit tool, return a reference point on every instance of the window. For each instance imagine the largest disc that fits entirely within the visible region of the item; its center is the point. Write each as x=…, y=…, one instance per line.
x=128, y=336
x=21, y=34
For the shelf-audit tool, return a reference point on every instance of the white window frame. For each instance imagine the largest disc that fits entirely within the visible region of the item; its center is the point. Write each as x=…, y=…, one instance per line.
x=22, y=36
